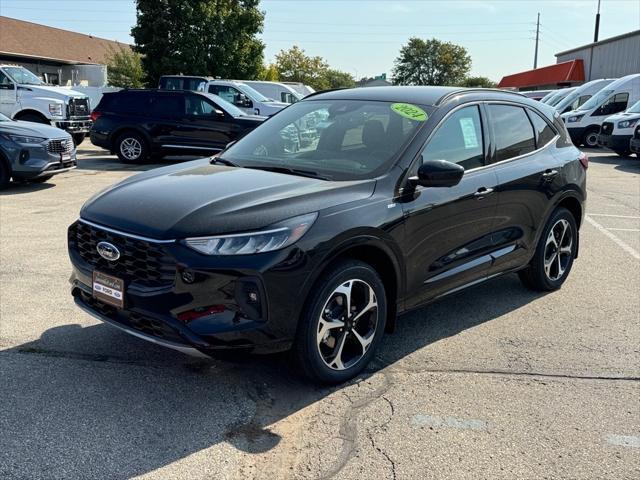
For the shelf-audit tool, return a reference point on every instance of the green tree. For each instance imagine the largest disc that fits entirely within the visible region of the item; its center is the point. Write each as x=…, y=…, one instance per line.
x=337, y=79
x=124, y=68
x=269, y=73
x=431, y=62
x=296, y=66
x=476, y=82
x=199, y=37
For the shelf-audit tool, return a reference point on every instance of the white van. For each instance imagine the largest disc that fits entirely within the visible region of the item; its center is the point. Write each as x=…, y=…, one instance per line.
x=244, y=97
x=616, y=131
x=584, y=122
x=559, y=96
x=275, y=91
x=581, y=94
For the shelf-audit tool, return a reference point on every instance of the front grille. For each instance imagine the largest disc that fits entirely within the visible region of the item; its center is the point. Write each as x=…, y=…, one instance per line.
x=79, y=107
x=64, y=145
x=606, y=128
x=150, y=326
x=141, y=262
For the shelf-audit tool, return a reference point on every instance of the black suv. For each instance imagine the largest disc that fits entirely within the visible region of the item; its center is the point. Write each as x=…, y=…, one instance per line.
x=398, y=196
x=136, y=124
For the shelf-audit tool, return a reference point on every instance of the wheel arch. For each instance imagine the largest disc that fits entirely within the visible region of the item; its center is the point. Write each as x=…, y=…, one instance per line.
x=30, y=111
x=117, y=133
x=381, y=257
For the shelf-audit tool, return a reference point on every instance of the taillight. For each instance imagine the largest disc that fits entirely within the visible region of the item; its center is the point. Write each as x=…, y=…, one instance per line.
x=584, y=160
x=95, y=115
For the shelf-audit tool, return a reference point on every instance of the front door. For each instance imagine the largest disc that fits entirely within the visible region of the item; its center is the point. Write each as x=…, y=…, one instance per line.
x=448, y=230
x=208, y=127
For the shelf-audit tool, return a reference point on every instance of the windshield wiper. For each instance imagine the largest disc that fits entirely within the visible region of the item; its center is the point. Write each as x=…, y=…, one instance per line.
x=222, y=161
x=290, y=171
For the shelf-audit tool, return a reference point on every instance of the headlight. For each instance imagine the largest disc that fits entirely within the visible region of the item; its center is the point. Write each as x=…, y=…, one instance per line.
x=628, y=123
x=574, y=118
x=23, y=140
x=275, y=237
x=55, y=109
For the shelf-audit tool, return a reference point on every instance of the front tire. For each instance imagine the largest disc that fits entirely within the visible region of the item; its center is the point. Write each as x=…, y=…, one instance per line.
x=556, y=250
x=78, y=138
x=342, y=324
x=5, y=174
x=131, y=148
x=590, y=138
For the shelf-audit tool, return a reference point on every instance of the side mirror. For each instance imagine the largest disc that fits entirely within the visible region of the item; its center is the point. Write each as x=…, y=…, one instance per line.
x=219, y=114
x=438, y=173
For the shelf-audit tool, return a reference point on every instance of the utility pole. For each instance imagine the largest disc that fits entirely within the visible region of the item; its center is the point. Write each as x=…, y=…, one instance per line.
x=535, y=57
x=595, y=34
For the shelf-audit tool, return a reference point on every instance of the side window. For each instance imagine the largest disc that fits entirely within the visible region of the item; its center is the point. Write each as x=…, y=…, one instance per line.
x=229, y=94
x=616, y=103
x=5, y=83
x=544, y=133
x=128, y=103
x=199, y=106
x=458, y=139
x=168, y=106
x=512, y=130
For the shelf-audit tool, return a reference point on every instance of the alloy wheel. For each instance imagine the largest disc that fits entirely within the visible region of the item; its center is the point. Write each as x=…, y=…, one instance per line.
x=347, y=324
x=130, y=148
x=558, y=250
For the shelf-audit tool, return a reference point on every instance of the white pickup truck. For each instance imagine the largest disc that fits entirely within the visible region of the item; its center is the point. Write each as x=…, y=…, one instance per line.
x=23, y=96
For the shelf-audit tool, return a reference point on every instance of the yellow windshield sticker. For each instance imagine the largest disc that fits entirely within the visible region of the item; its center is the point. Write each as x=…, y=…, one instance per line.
x=412, y=112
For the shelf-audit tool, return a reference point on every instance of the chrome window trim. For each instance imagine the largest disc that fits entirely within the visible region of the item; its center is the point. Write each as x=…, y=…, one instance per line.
x=189, y=147
x=124, y=234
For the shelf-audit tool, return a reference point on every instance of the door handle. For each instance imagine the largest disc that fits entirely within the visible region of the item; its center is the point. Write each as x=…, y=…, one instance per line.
x=483, y=192
x=549, y=174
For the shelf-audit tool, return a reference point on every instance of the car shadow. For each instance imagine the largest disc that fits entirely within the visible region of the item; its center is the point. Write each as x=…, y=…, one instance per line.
x=103, y=161
x=629, y=164
x=21, y=188
x=88, y=402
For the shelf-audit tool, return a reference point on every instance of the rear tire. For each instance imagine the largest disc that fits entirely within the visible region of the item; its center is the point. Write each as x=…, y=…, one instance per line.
x=342, y=324
x=556, y=250
x=131, y=147
x=590, y=138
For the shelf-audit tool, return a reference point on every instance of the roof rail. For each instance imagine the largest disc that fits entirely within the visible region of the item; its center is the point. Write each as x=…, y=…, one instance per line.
x=472, y=90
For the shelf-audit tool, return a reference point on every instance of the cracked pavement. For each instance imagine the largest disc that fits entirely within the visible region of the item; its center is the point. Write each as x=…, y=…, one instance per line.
x=493, y=382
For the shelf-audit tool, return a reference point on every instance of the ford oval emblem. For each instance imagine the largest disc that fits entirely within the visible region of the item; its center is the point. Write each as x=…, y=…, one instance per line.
x=108, y=251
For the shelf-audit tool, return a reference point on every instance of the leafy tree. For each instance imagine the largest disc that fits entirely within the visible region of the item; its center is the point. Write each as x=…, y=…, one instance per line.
x=333, y=78
x=270, y=73
x=482, y=82
x=296, y=66
x=431, y=62
x=124, y=68
x=199, y=37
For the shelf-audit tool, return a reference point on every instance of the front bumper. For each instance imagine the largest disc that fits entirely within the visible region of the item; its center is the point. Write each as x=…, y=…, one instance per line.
x=618, y=143
x=634, y=145
x=208, y=304
x=30, y=162
x=74, y=126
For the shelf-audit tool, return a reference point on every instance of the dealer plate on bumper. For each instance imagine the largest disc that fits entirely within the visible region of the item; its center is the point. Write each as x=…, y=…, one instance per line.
x=108, y=289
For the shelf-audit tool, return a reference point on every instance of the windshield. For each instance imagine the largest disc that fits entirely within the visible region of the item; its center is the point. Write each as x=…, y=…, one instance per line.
x=548, y=96
x=22, y=76
x=230, y=108
x=568, y=100
x=596, y=100
x=635, y=108
x=252, y=93
x=553, y=101
x=4, y=119
x=333, y=139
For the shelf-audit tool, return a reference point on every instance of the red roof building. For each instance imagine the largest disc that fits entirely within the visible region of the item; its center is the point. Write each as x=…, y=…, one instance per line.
x=559, y=75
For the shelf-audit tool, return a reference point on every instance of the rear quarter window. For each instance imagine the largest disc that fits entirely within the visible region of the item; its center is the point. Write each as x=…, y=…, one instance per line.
x=544, y=133
x=512, y=130
x=129, y=103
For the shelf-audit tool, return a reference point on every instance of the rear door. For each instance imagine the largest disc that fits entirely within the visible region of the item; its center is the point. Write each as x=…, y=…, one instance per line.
x=529, y=175
x=449, y=231
x=165, y=124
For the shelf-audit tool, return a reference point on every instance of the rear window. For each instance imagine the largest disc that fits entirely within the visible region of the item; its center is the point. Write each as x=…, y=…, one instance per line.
x=513, y=131
x=168, y=106
x=544, y=133
x=182, y=83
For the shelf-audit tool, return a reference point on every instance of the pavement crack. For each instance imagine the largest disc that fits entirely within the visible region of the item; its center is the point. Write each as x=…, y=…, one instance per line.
x=384, y=454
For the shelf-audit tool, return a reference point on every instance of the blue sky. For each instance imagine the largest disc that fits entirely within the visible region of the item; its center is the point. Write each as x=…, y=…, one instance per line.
x=363, y=37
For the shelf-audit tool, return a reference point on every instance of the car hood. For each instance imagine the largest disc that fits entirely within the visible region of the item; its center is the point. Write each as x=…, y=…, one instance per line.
x=32, y=129
x=54, y=92
x=198, y=199
x=619, y=117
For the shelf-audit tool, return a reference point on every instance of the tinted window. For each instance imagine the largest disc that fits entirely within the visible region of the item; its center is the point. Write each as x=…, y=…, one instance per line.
x=197, y=105
x=128, y=103
x=229, y=94
x=458, y=140
x=544, y=133
x=181, y=83
x=512, y=130
x=168, y=106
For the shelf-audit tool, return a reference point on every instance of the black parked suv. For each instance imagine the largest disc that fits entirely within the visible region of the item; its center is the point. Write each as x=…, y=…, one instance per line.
x=401, y=195
x=136, y=124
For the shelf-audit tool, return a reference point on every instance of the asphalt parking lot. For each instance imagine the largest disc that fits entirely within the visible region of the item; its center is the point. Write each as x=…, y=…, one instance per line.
x=493, y=382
